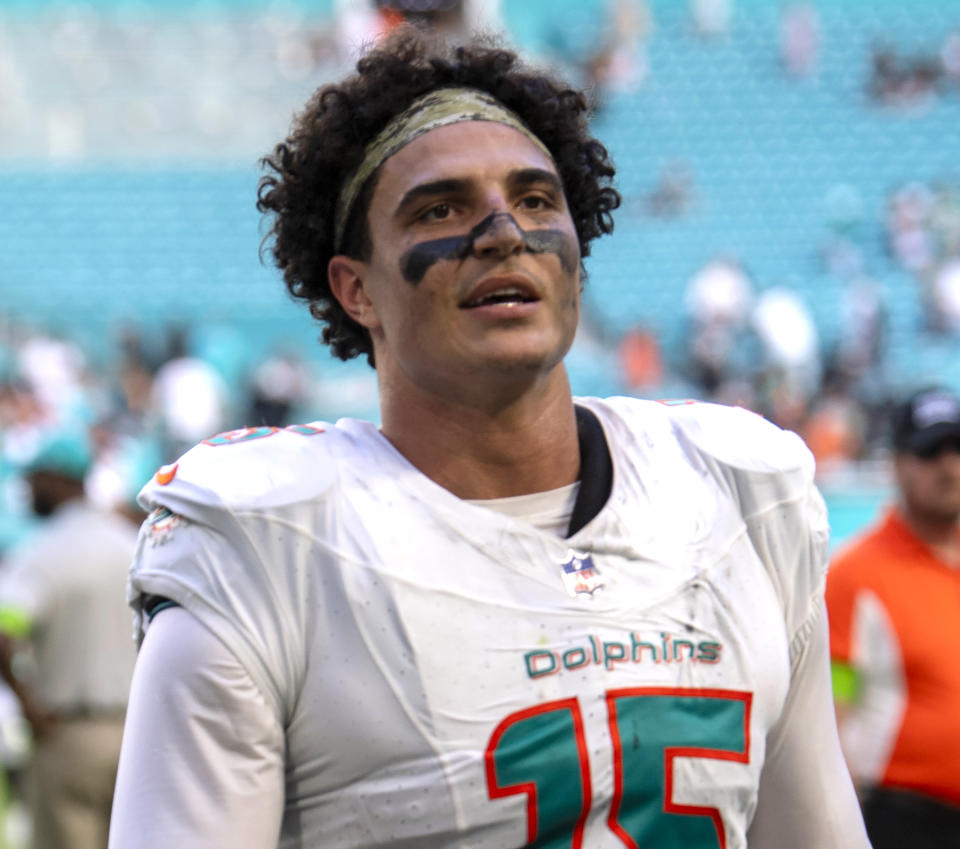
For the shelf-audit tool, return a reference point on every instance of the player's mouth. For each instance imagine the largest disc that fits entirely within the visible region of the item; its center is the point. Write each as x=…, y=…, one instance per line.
x=500, y=293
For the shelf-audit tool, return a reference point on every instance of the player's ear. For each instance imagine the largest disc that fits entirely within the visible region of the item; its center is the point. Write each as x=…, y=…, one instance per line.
x=347, y=278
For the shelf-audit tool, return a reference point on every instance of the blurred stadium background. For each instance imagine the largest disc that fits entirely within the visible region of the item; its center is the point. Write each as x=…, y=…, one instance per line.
x=813, y=145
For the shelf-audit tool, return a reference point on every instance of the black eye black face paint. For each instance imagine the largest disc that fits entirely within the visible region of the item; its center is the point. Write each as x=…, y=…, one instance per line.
x=553, y=242
x=416, y=262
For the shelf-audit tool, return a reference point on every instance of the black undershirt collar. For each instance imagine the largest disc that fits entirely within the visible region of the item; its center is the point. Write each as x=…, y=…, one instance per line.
x=596, y=470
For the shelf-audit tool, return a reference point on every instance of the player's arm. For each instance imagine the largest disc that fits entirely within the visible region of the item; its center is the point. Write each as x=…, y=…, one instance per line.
x=806, y=796
x=202, y=759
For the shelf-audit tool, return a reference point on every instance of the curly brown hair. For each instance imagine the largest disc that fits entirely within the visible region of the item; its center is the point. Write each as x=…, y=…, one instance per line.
x=327, y=143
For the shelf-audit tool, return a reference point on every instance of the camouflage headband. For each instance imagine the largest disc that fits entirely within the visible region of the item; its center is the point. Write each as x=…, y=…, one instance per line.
x=435, y=109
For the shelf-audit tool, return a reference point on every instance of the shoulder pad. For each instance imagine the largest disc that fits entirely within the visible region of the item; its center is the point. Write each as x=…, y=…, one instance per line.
x=739, y=438
x=249, y=468
x=725, y=441
x=733, y=436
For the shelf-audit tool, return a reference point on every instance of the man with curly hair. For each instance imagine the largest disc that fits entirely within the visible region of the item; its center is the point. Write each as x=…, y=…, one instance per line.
x=505, y=617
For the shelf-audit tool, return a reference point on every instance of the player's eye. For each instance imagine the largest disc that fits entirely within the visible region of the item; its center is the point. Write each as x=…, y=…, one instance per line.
x=535, y=202
x=437, y=212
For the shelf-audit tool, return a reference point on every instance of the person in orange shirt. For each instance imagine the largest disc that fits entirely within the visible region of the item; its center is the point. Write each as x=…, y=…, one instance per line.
x=893, y=597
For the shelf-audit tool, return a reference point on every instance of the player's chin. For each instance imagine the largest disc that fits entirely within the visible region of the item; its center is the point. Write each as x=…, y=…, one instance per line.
x=519, y=357
x=528, y=340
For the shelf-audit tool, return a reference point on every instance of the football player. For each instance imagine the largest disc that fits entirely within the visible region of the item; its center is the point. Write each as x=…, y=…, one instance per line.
x=505, y=617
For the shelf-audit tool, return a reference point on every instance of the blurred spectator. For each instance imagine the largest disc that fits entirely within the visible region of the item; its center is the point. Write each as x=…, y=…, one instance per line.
x=621, y=63
x=134, y=386
x=789, y=338
x=673, y=195
x=640, y=360
x=909, y=236
x=280, y=383
x=899, y=82
x=894, y=602
x=189, y=398
x=799, y=39
x=454, y=19
x=124, y=463
x=923, y=235
x=945, y=218
x=925, y=78
x=359, y=24
x=711, y=18
x=53, y=369
x=718, y=301
x=886, y=74
x=788, y=366
x=854, y=387
x=65, y=645
x=945, y=294
x=778, y=400
x=863, y=330
x=21, y=417
x=834, y=430
x=445, y=16
x=601, y=46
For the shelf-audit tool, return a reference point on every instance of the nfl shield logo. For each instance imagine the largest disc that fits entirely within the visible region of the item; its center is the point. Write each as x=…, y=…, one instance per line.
x=580, y=576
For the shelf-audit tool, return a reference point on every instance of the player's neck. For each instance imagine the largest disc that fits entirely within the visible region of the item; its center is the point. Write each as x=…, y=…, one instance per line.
x=480, y=448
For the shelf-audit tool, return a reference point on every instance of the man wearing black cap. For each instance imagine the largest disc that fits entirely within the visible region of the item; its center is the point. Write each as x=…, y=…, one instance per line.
x=893, y=597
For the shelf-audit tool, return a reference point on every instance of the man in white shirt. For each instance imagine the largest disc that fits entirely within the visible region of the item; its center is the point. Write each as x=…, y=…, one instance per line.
x=504, y=618
x=62, y=605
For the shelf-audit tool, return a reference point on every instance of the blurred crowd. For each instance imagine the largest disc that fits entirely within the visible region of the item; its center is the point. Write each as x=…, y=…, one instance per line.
x=139, y=411
x=759, y=344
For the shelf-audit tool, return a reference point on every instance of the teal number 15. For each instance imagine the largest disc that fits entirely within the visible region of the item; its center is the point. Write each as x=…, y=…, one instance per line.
x=541, y=752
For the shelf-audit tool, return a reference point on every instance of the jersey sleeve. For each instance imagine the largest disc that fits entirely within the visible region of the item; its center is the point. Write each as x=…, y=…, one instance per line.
x=792, y=538
x=769, y=473
x=201, y=764
x=806, y=797
x=212, y=545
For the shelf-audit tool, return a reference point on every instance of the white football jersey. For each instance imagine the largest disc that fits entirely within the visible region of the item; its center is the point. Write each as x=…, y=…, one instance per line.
x=447, y=675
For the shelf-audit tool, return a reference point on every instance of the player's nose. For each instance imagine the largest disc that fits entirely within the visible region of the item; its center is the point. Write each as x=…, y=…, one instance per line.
x=498, y=234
